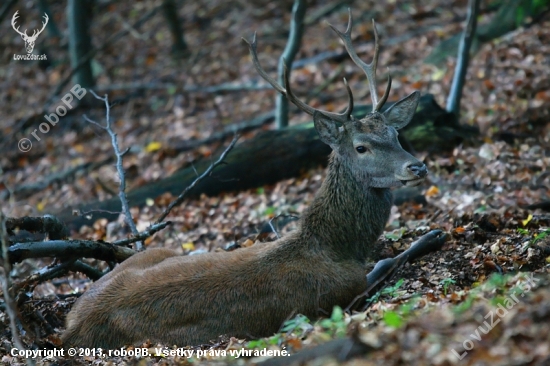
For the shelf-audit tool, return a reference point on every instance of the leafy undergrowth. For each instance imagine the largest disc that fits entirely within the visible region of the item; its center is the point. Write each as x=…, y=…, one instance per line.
x=432, y=309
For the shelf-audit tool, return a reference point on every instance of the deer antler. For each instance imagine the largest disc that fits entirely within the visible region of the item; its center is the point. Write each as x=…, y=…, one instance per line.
x=287, y=91
x=369, y=69
x=43, y=24
x=35, y=33
x=13, y=19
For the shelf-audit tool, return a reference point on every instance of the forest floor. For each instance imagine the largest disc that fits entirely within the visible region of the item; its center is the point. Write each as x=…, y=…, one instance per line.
x=474, y=302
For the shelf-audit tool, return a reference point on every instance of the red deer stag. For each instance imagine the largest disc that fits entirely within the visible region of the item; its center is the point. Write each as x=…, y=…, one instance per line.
x=160, y=296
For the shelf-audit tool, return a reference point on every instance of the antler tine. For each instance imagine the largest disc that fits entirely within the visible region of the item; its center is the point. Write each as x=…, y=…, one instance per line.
x=341, y=117
x=368, y=69
x=286, y=92
x=385, y=96
x=253, y=53
x=46, y=18
x=349, y=108
x=14, y=22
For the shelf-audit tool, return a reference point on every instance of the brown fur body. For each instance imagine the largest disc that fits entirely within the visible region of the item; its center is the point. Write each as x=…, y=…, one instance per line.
x=176, y=300
x=181, y=300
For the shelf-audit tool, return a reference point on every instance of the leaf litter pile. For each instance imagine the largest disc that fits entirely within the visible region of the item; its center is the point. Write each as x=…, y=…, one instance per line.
x=475, y=302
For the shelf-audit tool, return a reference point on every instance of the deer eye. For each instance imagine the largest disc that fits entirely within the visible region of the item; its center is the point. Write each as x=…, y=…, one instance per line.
x=361, y=149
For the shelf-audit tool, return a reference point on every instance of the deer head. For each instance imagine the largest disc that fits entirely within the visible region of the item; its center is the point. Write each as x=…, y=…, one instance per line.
x=29, y=40
x=369, y=146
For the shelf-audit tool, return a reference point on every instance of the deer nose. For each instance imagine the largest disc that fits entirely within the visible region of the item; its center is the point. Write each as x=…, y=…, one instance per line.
x=419, y=169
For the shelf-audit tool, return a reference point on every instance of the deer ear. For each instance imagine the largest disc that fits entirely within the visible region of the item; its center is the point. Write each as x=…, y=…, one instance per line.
x=400, y=114
x=328, y=129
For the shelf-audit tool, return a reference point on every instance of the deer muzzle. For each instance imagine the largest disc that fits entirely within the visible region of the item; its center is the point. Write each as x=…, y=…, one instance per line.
x=415, y=174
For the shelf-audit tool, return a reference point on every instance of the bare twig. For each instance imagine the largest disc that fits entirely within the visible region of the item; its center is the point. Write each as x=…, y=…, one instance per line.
x=291, y=49
x=206, y=173
x=44, y=274
x=120, y=169
x=151, y=230
x=5, y=278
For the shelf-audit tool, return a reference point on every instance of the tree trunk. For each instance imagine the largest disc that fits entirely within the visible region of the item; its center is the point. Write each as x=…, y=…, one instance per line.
x=78, y=17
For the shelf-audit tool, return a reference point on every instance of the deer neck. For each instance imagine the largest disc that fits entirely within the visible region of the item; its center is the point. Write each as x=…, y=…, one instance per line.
x=346, y=216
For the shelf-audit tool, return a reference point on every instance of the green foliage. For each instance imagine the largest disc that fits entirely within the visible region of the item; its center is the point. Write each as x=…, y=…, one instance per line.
x=396, y=318
x=466, y=304
x=336, y=324
x=256, y=343
x=541, y=235
x=497, y=300
x=392, y=319
x=172, y=90
x=446, y=283
x=497, y=283
x=299, y=325
x=529, y=8
x=406, y=308
x=269, y=211
x=395, y=234
x=523, y=231
x=390, y=290
x=481, y=209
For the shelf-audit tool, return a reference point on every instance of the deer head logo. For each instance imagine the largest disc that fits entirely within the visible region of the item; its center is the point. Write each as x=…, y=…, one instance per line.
x=29, y=40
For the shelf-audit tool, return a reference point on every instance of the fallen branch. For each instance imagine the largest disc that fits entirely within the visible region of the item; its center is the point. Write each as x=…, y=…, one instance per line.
x=47, y=224
x=71, y=248
x=90, y=272
x=44, y=274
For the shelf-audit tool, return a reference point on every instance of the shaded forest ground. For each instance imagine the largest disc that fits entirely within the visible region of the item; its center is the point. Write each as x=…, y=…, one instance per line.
x=473, y=191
